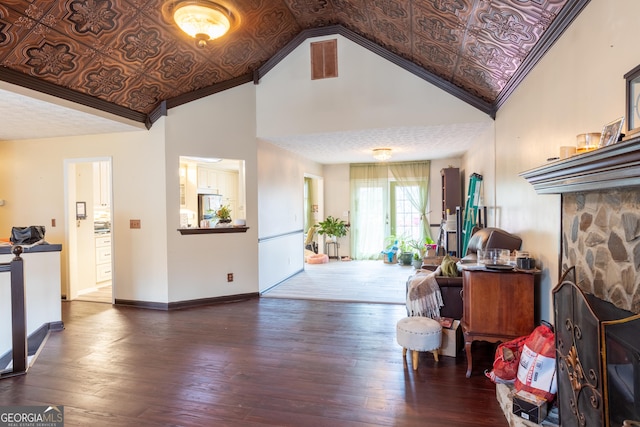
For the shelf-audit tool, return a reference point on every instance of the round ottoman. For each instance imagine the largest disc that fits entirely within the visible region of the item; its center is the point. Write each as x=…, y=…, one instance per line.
x=418, y=334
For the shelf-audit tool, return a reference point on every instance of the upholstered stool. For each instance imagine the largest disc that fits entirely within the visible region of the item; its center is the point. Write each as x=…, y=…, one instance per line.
x=418, y=334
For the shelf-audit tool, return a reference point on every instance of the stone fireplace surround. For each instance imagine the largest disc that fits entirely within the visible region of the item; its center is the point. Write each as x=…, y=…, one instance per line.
x=600, y=220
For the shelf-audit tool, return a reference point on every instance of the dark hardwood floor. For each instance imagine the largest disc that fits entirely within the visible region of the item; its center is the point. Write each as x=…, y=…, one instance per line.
x=252, y=363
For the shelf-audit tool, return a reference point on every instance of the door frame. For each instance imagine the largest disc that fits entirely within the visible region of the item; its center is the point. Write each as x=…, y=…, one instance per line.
x=71, y=239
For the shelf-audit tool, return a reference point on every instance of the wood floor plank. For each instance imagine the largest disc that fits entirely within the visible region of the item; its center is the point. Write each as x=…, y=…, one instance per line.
x=261, y=362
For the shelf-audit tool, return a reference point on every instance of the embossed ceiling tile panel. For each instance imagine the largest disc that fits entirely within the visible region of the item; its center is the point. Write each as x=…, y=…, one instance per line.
x=312, y=13
x=270, y=23
x=50, y=56
x=492, y=57
x=435, y=57
x=477, y=80
x=389, y=21
x=31, y=8
x=444, y=30
x=459, y=11
x=241, y=54
x=352, y=14
x=95, y=23
x=206, y=74
x=14, y=28
x=144, y=95
x=504, y=25
x=102, y=77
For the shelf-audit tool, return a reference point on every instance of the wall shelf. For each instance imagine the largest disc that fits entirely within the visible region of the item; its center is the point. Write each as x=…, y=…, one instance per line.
x=213, y=230
x=614, y=166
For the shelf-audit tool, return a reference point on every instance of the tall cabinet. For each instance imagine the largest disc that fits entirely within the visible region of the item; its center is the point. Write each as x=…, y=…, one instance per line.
x=451, y=190
x=451, y=199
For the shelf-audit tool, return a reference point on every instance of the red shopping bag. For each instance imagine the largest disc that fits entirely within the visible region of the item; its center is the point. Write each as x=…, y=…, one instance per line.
x=506, y=361
x=537, y=367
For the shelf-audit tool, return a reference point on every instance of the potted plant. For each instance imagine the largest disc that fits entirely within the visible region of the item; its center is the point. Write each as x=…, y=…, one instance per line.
x=417, y=260
x=333, y=228
x=223, y=214
x=406, y=254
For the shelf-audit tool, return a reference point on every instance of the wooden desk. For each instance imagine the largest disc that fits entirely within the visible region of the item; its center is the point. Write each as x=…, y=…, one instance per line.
x=497, y=306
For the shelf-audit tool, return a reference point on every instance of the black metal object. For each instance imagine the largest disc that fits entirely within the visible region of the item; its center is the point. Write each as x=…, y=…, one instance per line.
x=18, y=314
x=596, y=353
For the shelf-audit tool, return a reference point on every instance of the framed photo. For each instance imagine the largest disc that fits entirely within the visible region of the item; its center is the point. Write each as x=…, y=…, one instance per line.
x=81, y=210
x=632, y=79
x=611, y=132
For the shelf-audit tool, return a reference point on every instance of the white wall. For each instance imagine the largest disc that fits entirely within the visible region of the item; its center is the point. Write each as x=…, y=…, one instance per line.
x=576, y=88
x=221, y=125
x=280, y=203
x=32, y=183
x=369, y=93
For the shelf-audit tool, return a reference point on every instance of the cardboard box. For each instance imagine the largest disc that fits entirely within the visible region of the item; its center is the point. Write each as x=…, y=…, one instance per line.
x=385, y=257
x=451, y=340
x=529, y=406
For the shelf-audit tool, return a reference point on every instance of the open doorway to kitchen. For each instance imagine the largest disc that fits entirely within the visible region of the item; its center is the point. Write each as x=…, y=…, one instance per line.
x=89, y=216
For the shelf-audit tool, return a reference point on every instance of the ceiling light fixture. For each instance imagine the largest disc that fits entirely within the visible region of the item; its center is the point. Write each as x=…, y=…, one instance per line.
x=382, y=154
x=203, y=20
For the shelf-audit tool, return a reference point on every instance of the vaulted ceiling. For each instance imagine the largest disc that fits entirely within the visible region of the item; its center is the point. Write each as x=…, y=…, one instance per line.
x=125, y=57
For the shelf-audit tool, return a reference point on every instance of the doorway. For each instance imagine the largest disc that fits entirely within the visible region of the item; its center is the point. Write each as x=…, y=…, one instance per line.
x=88, y=188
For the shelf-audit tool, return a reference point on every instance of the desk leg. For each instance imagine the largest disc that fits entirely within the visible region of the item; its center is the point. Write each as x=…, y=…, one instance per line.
x=467, y=349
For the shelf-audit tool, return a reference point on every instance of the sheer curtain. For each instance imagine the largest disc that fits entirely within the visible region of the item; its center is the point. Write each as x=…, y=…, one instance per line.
x=416, y=173
x=369, y=209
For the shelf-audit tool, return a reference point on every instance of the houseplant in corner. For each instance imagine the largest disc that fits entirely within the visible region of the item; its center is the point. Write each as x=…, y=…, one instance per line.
x=333, y=228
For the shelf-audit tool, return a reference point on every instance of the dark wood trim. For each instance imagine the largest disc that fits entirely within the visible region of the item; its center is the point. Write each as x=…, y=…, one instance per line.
x=558, y=26
x=142, y=304
x=213, y=230
x=160, y=111
x=56, y=326
x=24, y=80
x=212, y=301
x=209, y=90
x=403, y=63
x=609, y=167
x=277, y=236
x=177, y=305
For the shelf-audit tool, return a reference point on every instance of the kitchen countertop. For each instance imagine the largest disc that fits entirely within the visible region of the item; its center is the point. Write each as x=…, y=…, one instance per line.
x=6, y=249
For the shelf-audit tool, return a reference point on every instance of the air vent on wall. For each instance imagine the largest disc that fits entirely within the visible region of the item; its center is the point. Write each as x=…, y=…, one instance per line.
x=324, y=59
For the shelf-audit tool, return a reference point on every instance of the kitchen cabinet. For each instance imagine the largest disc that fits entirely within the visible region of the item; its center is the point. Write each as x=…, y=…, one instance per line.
x=207, y=180
x=215, y=181
x=497, y=306
x=103, y=258
x=101, y=184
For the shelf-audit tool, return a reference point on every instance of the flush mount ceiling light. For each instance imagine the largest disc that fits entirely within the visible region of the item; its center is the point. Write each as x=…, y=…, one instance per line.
x=203, y=20
x=382, y=154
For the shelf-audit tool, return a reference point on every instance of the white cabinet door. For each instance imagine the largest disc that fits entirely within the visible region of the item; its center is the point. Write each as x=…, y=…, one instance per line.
x=101, y=184
x=208, y=180
x=103, y=258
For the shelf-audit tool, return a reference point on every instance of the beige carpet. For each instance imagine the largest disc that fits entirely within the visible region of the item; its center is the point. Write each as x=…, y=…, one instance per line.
x=361, y=281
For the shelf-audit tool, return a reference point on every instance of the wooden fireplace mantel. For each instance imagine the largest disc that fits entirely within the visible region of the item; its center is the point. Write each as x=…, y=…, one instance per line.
x=614, y=166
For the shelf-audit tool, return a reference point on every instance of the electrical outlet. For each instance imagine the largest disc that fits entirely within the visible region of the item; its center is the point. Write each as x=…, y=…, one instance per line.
x=53, y=222
x=229, y=277
x=134, y=223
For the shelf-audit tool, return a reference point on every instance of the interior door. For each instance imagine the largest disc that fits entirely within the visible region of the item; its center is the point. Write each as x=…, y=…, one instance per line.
x=90, y=262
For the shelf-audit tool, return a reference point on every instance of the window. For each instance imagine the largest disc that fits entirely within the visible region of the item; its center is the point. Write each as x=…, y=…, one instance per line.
x=405, y=218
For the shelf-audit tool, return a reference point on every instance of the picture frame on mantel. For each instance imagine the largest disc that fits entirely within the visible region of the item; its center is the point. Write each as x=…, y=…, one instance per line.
x=611, y=132
x=632, y=83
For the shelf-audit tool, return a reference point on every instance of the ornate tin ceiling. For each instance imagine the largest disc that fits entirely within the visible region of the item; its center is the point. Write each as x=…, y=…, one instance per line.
x=123, y=56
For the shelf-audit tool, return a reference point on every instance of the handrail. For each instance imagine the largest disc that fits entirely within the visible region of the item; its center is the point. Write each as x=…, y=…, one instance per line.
x=18, y=314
